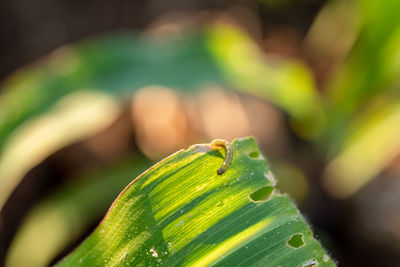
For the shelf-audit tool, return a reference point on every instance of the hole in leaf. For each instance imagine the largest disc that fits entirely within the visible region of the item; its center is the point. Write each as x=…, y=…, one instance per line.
x=262, y=194
x=296, y=241
x=310, y=263
x=254, y=154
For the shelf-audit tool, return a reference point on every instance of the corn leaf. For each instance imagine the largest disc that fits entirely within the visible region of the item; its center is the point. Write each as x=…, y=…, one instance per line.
x=65, y=215
x=180, y=212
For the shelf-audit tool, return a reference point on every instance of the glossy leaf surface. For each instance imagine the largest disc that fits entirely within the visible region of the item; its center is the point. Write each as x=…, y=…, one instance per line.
x=180, y=212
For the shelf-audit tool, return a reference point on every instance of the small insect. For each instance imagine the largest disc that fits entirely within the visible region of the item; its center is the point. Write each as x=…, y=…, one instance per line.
x=218, y=143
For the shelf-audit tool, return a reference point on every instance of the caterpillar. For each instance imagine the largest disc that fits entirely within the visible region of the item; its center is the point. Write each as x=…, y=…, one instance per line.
x=220, y=143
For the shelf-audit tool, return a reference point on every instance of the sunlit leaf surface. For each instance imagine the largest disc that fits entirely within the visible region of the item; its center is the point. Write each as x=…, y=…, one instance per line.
x=180, y=212
x=64, y=216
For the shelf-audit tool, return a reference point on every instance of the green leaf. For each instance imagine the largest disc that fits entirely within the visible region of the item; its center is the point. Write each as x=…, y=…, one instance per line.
x=180, y=212
x=287, y=84
x=370, y=70
x=374, y=141
x=115, y=64
x=362, y=97
x=46, y=99
x=64, y=216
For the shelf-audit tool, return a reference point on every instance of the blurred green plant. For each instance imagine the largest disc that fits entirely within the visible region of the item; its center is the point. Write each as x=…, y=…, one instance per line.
x=109, y=68
x=80, y=87
x=112, y=68
x=180, y=212
x=65, y=215
x=361, y=138
x=355, y=123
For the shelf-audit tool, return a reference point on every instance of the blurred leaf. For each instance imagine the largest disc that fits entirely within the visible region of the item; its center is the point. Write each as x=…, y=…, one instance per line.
x=109, y=67
x=116, y=64
x=114, y=67
x=74, y=117
x=373, y=144
x=180, y=212
x=64, y=216
x=371, y=67
x=362, y=135
x=338, y=23
x=288, y=85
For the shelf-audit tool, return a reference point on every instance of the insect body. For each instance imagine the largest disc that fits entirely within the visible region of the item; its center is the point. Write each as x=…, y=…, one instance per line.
x=217, y=143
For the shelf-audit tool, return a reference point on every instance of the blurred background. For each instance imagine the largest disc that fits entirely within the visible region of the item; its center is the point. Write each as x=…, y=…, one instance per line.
x=93, y=93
